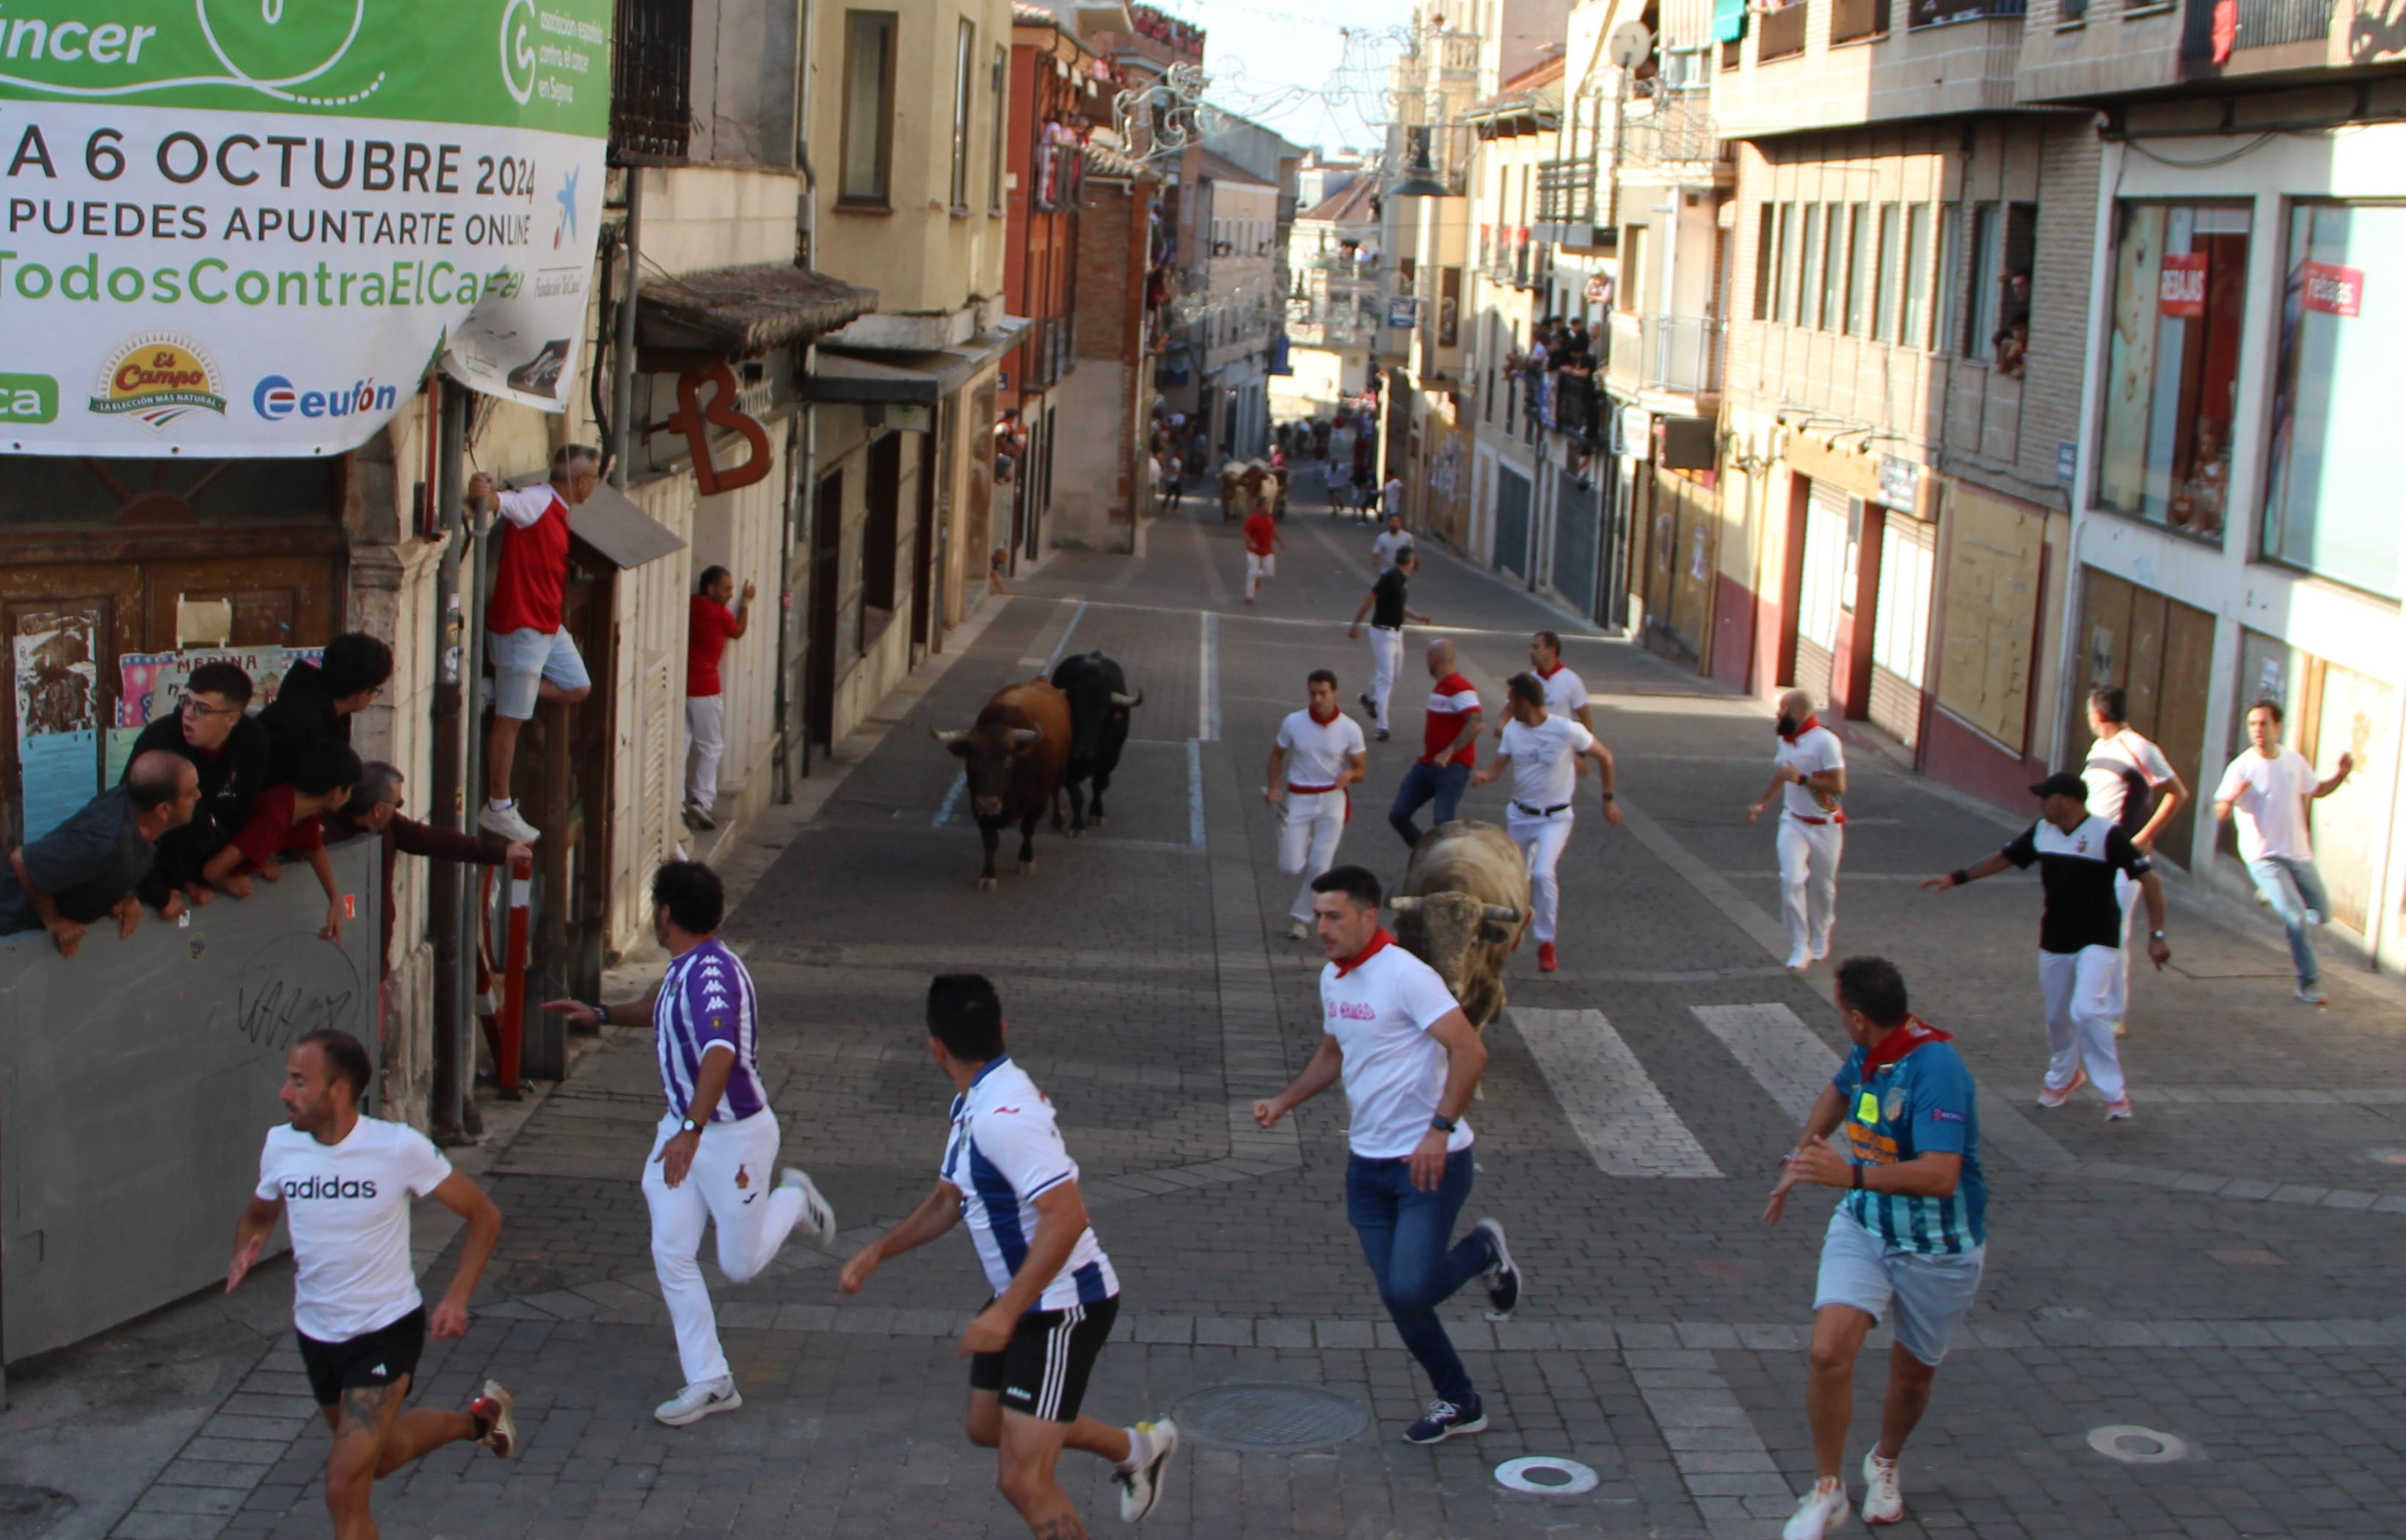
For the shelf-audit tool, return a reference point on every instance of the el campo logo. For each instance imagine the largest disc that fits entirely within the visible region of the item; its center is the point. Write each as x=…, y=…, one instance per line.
x=158, y=377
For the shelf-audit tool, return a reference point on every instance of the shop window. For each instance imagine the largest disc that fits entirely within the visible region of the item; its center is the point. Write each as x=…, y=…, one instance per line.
x=2172, y=365
x=2332, y=503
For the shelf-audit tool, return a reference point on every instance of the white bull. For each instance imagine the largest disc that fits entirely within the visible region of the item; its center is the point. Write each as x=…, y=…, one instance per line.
x=1461, y=908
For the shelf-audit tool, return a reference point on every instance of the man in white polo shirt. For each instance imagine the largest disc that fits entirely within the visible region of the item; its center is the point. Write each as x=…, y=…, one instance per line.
x=1410, y=1059
x=1318, y=755
x=2267, y=789
x=1809, y=774
x=1542, y=751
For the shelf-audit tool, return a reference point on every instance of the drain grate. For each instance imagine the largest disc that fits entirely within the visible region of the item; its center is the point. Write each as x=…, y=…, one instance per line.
x=1271, y=1417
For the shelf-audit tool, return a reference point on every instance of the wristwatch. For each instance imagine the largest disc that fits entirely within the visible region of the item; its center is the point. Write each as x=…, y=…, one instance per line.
x=1441, y=1124
x=601, y=1014
x=690, y=1126
x=2155, y=935
x=1607, y=797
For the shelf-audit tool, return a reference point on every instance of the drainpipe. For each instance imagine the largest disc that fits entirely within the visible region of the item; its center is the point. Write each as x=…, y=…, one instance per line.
x=450, y=805
x=801, y=441
x=622, y=361
x=470, y=915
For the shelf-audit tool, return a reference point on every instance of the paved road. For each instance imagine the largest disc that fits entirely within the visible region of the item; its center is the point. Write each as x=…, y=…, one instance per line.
x=2222, y=1269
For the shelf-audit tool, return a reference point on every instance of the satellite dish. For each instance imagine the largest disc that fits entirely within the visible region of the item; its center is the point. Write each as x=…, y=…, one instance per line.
x=1630, y=45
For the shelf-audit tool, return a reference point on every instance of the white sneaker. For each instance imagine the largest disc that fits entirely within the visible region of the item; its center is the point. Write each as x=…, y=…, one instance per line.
x=1141, y=1489
x=707, y=1399
x=1825, y=1509
x=1883, y=1498
x=1821, y=949
x=818, y=1216
x=1298, y=931
x=507, y=823
x=2311, y=994
x=1800, y=959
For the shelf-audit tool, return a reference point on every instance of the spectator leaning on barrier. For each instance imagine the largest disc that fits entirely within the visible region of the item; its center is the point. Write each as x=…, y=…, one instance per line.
x=229, y=749
x=88, y=866
x=316, y=700
x=375, y=808
x=284, y=820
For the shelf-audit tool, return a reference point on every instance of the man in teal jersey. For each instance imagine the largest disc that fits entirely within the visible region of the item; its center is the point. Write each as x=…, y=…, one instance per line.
x=1910, y=1230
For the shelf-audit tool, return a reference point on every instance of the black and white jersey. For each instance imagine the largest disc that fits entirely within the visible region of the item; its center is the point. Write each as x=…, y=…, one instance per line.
x=2078, y=869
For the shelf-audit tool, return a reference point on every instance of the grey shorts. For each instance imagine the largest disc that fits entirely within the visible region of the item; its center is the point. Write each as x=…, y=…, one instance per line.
x=522, y=660
x=1932, y=1293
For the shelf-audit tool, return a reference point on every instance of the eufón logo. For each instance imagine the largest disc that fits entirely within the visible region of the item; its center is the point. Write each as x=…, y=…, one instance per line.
x=157, y=377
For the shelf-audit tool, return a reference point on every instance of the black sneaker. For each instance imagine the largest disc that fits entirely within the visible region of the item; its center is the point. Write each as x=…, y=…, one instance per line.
x=1368, y=704
x=1444, y=1420
x=1382, y=735
x=1502, y=1280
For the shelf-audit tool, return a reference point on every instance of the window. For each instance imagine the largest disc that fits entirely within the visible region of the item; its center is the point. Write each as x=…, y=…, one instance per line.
x=1834, y=268
x=1002, y=129
x=2331, y=503
x=1449, y=307
x=2003, y=238
x=1884, y=296
x=1915, y=331
x=1632, y=289
x=1807, y=289
x=1987, y=265
x=963, y=84
x=1949, y=278
x=1780, y=302
x=2172, y=362
x=868, y=108
x=1766, y=217
x=1858, y=268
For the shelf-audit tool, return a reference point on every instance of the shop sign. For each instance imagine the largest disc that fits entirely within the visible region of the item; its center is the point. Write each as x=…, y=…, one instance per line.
x=695, y=420
x=252, y=231
x=1402, y=311
x=2333, y=289
x=1899, y=483
x=2066, y=460
x=2183, y=292
x=1637, y=430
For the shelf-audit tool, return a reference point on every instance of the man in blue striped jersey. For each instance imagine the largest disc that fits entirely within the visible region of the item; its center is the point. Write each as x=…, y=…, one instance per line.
x=1911, y=1231
x=1033, y=1348
x=718, y=1143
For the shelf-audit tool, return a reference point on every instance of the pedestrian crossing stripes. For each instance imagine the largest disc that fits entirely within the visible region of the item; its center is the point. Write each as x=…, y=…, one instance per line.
x=1611, y=1103
x=1787, y=1058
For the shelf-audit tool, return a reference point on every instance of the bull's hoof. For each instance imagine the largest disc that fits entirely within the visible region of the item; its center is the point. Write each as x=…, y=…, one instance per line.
x=1095, y=816
x=985, y=884
x=1028, y=865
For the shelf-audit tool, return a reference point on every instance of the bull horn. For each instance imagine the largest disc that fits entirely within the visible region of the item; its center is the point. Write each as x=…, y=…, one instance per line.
x=1501, y=913
x=1409, y=903
x=1027, y=738
x=941, y=736
x=1119, y=699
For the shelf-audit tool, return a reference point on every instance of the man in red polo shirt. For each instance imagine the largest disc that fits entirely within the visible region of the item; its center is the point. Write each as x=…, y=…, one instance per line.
x=710, y=625
x=1262, y=543
x=1449, y=748
x=534, y=657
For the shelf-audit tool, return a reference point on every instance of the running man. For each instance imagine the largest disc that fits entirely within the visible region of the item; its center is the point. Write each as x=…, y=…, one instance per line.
x=1911, y=1231
x=2079, y=856
x=1565, y=692
x=1033, y=1348
x=1542, y=751
x=1263, y=543
x=2132, y=783
x=1328, y=756
x=718, y=1143
x=1449, y=748
x=2267, y=789
x=345, y=1182
x=1809, y=774
x=1384, y=606
x=1410, y=1059
x=1392, y=539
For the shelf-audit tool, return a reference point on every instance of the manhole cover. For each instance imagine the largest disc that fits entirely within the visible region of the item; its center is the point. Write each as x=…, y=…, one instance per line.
x=29, y=1511
x=1271, y=1417
x=2136, y=1445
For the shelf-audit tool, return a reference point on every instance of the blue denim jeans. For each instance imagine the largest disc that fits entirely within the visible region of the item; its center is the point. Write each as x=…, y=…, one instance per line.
x=1423, y=784
x=1405, y=1234
x=2293, y=887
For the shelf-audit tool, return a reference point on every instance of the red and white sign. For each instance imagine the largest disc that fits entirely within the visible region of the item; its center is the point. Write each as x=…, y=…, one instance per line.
x=2184, y=284
x=2333, y=289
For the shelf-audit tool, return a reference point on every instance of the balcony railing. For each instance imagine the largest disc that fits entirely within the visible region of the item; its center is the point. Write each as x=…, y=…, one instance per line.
x=1566, y=193
x=651, y=112
x=1931, y=13
x=1577, y=406
x=1681, y=353
x=1678, y=130
x=1850, y=20
x=1781, y=35
x=2262, y=23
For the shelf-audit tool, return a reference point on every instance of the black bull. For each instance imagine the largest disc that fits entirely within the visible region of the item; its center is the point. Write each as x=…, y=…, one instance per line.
x=1099, y=704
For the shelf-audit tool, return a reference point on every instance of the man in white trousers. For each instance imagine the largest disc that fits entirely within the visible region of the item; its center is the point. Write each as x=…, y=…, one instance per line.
x=710, y=623
x=2079, y=856
x=715, y=1148
x=2132, y=783
x=1542, y=751
x=1384, y=606
x=1318, y=755
x=1809, y=775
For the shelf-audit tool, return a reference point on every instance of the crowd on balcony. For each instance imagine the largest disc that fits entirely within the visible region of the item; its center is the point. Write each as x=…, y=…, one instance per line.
x=1558, y=373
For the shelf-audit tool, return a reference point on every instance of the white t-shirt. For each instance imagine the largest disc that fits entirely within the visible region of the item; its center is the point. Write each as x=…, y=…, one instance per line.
x=1565, y=692
x=1545, y=759
x=1379, y=1013
x=1392, y=496
x=2268, y=801
x=1815, y=750
x=1388, y=544
x=2107, y=758
x=347, y=1205
x=1317, y=753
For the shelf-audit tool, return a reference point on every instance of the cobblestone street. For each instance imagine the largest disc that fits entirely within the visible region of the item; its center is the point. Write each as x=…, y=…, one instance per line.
x=2222, y=1269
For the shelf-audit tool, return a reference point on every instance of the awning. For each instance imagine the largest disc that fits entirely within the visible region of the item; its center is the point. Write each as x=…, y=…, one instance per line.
x=907, y=378
x=743, y=312
x=1729, y=20
x=615, y=526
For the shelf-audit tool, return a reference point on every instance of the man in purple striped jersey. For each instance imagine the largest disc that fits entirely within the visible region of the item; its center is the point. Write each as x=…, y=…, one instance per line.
x=718, y=1143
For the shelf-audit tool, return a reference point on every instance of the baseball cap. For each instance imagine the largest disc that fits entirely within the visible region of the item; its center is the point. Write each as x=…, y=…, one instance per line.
x=2061, y=783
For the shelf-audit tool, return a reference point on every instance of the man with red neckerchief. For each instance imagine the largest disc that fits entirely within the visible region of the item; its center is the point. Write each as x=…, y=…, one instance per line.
x=1809, y=773
x=1410, y=1059
x=1262, y=543
x=1318, y=755
x=1911, y=1231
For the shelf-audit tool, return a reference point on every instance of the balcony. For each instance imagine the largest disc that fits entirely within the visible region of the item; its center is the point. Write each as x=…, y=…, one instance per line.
x=1843, y=64
x=1675, y=130
x=2262, y=25
x=1577, y=407
x=651, y=108
x=1680, y=355
x=2284, y=42
x=1852, y=21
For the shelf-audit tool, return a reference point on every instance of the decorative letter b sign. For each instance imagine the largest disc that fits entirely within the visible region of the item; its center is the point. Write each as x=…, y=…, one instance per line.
x=695, y=422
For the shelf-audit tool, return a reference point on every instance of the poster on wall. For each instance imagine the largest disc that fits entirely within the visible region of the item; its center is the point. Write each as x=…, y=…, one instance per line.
x=58, y=738
x=251, y=230
x=151, y=685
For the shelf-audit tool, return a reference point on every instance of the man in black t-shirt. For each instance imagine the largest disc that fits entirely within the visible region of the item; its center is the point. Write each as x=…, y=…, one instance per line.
x=2078, y=857
x=87, y=867
x=210, y=728
x=1384, y=607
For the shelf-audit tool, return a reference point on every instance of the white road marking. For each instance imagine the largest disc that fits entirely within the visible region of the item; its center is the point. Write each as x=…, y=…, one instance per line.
x=1785, y=1056
x=1206, y=695
x=1067, y=631
x=951, y=800
x=1195, y=792
x=1613, y=1105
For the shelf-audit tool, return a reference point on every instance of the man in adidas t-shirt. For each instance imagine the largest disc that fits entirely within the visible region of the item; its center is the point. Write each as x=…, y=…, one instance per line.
x=1542, y=751
x=345, y=1183
x=1449, y=748
x=1318, y=755
x=1032, y=1349
x=2125, y=773
x=2079, y=857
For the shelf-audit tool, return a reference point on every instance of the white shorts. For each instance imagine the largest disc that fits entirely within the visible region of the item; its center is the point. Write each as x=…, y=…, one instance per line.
x=1932, y=1293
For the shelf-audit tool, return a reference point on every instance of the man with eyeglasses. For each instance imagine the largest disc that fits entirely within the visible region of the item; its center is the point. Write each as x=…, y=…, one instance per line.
x=211, y=728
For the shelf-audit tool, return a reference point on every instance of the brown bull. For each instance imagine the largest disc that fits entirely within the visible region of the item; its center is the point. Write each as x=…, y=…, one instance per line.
x=1013, y=760
x=1461, y=908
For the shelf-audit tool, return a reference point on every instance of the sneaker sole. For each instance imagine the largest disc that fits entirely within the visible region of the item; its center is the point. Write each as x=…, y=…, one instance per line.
x=1476, y=1425
x=1154, y=1470
x=1504, y=1263
x=817, y=1210
x=734, y=1403
x=503, y=1439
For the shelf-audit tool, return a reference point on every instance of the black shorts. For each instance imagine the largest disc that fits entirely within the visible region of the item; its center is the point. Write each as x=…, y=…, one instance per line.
x=1043, y=1372
x=371, y=1360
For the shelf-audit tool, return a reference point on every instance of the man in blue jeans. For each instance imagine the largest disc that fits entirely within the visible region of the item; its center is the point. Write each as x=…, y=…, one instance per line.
x=2267, y=789
x=1410, y=1061
x=1449, y=748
